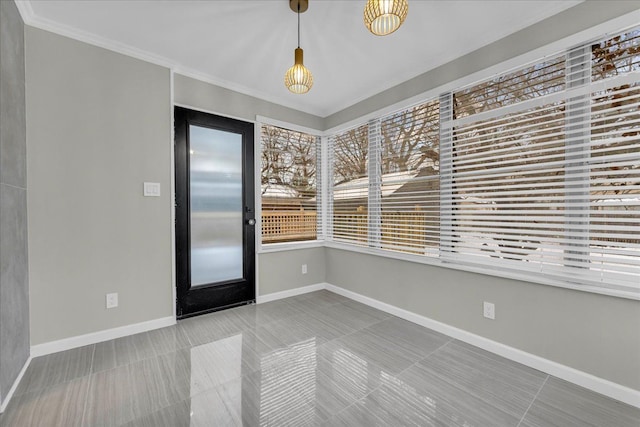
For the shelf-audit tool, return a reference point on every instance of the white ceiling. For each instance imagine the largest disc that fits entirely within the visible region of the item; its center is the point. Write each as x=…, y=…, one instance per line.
x=248, y=45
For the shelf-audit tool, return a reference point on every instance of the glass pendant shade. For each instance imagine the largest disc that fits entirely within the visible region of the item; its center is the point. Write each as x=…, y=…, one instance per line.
x=298, y=79
x=383, y=17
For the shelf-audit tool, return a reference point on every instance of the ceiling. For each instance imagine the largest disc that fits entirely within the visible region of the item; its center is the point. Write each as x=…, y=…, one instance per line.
x=248, y=45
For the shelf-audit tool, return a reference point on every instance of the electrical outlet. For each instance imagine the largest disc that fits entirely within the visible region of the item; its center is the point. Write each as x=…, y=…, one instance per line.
x=112, y=300
x=304, y=268
x=489, y=310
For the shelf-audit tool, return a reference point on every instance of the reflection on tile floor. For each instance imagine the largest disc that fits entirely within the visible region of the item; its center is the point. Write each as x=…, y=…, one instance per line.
x=314, y=359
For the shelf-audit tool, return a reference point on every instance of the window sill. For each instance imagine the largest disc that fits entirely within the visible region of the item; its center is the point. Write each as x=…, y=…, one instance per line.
x=290, y=246
x=506, y=274
x=437, y=262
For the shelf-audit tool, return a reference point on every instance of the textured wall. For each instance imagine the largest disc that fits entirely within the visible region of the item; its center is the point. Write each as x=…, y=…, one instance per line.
x=14, y=281
x=593, y=333
x=99, y=126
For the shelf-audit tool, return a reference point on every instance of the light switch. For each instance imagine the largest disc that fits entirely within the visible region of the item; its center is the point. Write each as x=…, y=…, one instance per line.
x=152, y=189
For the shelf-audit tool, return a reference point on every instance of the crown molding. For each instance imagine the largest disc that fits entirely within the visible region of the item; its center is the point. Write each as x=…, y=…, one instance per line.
x=31, y=19
x=25, y=10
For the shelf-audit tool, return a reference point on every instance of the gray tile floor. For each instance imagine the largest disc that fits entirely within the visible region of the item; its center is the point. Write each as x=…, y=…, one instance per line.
x=314, y=359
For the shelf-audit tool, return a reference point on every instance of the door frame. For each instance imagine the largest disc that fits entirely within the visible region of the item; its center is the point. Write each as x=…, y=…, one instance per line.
x=183, y=117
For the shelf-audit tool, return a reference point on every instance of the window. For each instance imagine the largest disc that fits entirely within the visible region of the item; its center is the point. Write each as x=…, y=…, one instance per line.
x=350, y=198
x=289, y=183
x=546, y=167
x=508, y=168
x=535, y=171
x=409, y=167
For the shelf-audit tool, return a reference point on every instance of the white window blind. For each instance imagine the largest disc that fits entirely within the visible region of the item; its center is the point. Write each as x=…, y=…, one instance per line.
x=289, y=185
x=614, y=197
x=534, y=172
x=350, y=191
x=508, y=169
x=546, y=168
x=409, y=201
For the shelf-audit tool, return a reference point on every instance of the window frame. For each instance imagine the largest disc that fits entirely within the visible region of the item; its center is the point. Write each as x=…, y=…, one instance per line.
x=320, y=167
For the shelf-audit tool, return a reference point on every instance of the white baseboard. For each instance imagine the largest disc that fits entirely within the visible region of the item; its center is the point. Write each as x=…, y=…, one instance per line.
x=290, y=293
x=13, y=388
x=108, y=334
x=583, y=379
x=95, y=337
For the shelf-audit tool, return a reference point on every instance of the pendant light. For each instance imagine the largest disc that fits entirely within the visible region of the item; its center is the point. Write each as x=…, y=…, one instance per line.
x=298, y=79
x=383, y=17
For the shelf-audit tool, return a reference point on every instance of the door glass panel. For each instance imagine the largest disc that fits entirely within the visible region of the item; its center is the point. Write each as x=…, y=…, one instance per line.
x=216, y=205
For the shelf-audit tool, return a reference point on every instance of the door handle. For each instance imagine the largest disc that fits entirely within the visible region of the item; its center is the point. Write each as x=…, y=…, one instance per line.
x=251, y=221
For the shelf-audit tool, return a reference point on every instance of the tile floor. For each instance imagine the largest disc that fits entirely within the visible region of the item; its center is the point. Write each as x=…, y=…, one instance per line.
x=314, y=359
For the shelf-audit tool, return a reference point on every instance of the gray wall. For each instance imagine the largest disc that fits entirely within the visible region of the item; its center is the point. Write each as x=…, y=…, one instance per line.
x=593, y=333
x=216, y=99
x=98, y=127
x=282, y=271
x=14, y=281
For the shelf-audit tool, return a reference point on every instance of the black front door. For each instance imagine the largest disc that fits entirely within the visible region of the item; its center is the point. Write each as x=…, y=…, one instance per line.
x=215, y=216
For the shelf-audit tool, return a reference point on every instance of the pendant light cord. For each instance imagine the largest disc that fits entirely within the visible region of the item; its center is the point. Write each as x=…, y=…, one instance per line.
x=298, y=23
